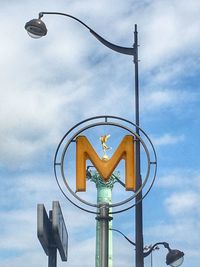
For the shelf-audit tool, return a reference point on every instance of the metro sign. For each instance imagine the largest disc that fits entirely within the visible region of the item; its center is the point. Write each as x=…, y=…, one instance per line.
x=125, y=151
x=105, y=166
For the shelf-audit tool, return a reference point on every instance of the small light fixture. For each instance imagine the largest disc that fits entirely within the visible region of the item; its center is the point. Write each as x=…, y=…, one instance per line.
x=174, y=257
x=36, y=28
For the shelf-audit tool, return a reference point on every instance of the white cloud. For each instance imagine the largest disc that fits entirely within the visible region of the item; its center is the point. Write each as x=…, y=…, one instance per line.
x=167, y=100
x=164, y=25
x=180, y=178
x=167, y=139
x=33, y=258
x=182, y=203
x=18, y=230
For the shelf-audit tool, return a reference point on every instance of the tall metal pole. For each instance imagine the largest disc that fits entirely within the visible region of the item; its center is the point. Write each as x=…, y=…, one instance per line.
x=139, y=259
x=104, y=219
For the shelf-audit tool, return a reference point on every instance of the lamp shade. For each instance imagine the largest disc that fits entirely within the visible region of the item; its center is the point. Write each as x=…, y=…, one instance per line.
x=36, y=28
x=174, y=258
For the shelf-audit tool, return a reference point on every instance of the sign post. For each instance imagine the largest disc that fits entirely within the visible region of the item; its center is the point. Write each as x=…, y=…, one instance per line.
x=52, y=233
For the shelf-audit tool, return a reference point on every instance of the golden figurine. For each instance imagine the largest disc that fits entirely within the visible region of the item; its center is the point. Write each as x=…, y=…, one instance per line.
x=104, y=139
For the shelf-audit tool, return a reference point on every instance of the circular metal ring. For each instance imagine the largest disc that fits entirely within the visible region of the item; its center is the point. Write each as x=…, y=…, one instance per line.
x=95, y=125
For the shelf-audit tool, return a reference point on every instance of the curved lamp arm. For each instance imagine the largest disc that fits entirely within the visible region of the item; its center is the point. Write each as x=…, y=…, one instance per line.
x=36, y=23
x=145, y=254
x=165, y=244
x=174, y=257
x=123, y=236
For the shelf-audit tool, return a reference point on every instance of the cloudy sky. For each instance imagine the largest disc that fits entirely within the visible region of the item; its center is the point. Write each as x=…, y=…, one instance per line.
x=49, y=85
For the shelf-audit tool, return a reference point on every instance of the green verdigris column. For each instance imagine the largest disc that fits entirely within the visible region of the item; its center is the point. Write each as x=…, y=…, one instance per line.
x=104, y=195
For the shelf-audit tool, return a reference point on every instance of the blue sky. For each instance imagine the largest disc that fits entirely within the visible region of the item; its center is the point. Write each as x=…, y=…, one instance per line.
x=48, y=85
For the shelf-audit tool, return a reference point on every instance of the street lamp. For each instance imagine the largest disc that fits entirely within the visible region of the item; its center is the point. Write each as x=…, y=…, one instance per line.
x=174, y=257
x=36, y=29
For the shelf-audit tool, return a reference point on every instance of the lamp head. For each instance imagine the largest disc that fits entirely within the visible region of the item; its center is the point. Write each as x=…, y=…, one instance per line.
x=174, y=258
x=36, y=28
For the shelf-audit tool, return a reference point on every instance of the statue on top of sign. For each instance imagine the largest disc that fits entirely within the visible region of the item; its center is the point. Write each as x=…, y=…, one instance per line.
x=104, y=139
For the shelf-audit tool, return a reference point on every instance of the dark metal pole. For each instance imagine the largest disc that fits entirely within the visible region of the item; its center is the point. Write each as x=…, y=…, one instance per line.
x=152, y=259
x=52, y=258
x=139, y=259
x=104, y=219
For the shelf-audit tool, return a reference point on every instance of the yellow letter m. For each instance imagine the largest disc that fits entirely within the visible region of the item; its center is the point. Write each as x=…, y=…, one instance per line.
x=126, y=151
